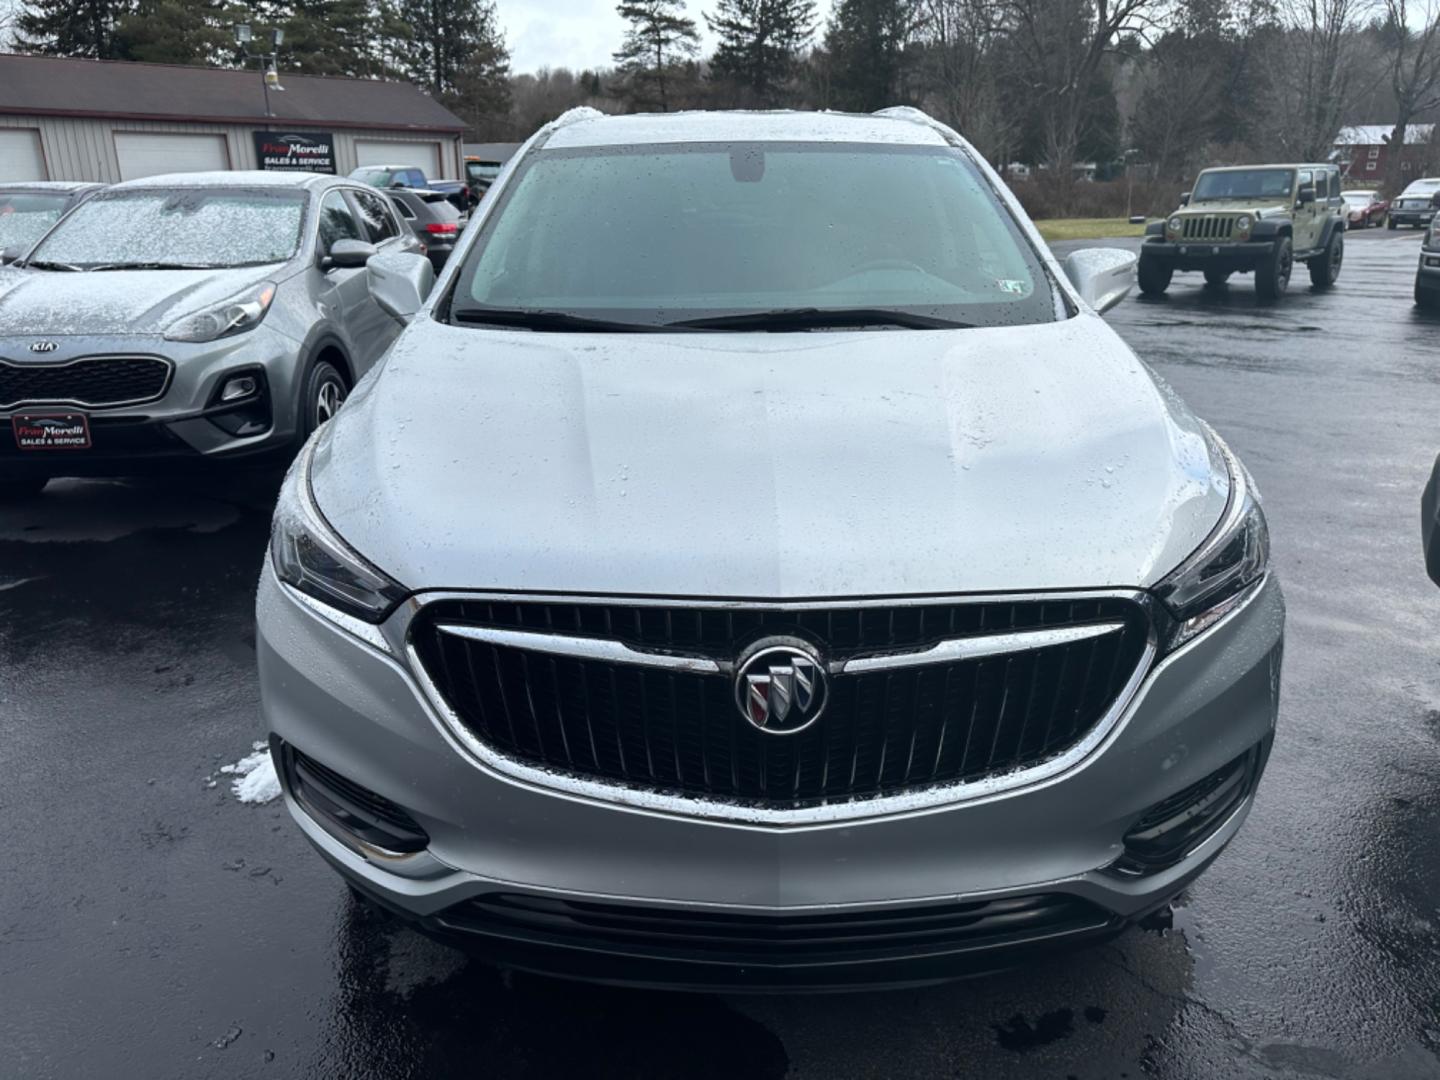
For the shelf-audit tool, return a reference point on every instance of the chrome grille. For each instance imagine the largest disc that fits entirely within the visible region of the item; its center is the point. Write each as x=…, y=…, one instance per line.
x=1208, y=226
x=671, y=725
x=94, y=382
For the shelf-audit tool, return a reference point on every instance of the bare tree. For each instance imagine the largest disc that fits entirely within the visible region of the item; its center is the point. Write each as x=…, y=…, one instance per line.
x=961, y=73
x=1060, y=45
x=1318, y=61
x=1413, y=62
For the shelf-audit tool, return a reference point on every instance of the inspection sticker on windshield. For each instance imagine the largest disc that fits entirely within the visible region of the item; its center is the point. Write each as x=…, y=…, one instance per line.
x=51, y=431
x=1013, y=287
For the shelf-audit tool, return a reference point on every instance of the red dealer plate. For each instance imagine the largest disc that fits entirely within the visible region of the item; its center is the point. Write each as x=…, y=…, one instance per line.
x=51, y=431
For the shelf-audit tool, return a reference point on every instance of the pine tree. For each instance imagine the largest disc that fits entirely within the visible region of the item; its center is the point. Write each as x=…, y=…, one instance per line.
x=759, y=43
x=659, y=39
x=177, y=32
x=71, y=27
x=482, y=85
x=866, y=43
x=446, y=35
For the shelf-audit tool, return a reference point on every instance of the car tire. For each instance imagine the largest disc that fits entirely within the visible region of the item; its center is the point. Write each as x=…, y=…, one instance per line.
x=1389, y=224
x=16, y=489
x=1154, y=276
x=1272, y=277
x=1325, y=267
x=1217, y=277
x=325, y=391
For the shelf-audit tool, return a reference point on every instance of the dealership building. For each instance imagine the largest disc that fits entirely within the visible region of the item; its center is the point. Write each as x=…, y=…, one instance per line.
x=64, y=119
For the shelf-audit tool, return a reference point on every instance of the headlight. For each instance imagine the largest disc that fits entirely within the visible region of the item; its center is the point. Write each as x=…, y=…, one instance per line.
x=234, y=316
x=308, y=555
x=1175, y=224
x=1243, y=223
x=1220, y=575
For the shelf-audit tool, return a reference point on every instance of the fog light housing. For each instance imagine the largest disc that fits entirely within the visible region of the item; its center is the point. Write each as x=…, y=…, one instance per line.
x=239, y=387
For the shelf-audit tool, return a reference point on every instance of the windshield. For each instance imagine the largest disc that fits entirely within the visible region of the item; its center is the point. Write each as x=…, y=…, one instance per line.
x=178, y=228
x=25, y=217
x=656, y=235
x=1357, y=198
x=1244, y=184
x=1423, y=187
x=482, y=170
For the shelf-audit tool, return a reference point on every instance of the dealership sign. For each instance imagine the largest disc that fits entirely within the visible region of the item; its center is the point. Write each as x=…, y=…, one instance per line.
x=295, y=151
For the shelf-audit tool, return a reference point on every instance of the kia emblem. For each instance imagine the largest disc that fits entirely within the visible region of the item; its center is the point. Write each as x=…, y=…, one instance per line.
x=43, y=346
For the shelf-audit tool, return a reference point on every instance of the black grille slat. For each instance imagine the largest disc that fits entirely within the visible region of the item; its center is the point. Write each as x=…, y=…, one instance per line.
x=680, y=733
x=814, y=938
x=95, y=382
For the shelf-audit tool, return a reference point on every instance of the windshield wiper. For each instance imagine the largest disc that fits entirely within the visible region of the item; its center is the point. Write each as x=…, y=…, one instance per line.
x=553, y=321
x=153, y=266
x=46, y=264
x=814, y=318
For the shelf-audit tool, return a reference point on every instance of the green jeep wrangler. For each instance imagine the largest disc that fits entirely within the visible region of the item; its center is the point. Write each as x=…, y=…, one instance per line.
x=1259, y=218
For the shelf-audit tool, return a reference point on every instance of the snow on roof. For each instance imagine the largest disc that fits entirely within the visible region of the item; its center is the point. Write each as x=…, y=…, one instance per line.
x=236, y=178
x=49, y=185
x=740, y=126
x=1379, y=134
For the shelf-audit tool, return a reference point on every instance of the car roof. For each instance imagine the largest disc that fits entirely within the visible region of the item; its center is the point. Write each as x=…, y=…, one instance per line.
x=597, y=129
x=1425, y=180
x=237, y=178
x=58, y=186
x=1273, y=165
x=389, y=168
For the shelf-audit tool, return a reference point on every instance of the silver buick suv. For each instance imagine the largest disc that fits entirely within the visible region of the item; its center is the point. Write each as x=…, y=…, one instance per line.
x=757, y=565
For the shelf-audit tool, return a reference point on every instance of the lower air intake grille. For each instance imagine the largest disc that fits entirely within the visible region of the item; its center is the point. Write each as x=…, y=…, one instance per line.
x=680, y=732
x=344, y=804
x=1172, y=828
x=768, y=939
x=95, y=382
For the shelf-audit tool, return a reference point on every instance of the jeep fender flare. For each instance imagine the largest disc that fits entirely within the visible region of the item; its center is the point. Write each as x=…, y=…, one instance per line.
x=1332, y=226
x=1154, y=228
x=1271, y=230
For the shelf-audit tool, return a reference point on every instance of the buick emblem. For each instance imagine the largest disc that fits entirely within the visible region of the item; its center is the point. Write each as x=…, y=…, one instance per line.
x=43, y=346
x=781, y=688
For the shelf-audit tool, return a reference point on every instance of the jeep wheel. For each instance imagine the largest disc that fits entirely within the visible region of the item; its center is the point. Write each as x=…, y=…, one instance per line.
x=1154, y=276
x=1217, y=277
x=1389, y=222
x=1272, y=277
x=1325, y=267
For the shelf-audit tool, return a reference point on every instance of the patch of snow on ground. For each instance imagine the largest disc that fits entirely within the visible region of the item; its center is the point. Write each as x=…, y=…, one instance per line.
x=255, y=778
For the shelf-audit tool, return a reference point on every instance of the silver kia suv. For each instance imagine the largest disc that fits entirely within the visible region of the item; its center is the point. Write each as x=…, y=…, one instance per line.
x=189, y=319
x=757, y=565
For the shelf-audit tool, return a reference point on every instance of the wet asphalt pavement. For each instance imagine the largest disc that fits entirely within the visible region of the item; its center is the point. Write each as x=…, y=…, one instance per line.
x=153, y=926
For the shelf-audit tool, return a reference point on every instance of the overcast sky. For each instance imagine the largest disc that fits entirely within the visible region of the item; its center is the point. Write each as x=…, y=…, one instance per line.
x=576, y=34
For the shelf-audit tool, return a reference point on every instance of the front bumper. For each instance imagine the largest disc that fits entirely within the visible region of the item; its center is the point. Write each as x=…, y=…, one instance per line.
x=187, y=426
x=1200, y=255
x=493, y=840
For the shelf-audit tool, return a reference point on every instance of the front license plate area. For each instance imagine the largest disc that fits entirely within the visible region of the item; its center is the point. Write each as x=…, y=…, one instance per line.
x=51, y=431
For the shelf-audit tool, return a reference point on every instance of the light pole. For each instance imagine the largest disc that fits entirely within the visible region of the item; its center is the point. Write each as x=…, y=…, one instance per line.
x=244, y=35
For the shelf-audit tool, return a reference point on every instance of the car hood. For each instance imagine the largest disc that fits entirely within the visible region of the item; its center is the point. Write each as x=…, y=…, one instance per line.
x=1233, y=206
x=769, y=465
x=59, y=302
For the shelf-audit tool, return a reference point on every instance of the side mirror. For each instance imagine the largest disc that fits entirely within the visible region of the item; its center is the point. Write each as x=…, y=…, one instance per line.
x=1102, y=276
x=399, y=282
x=1429, y=525
x=1306, y=194
x=347, y=254
x=1185, y=198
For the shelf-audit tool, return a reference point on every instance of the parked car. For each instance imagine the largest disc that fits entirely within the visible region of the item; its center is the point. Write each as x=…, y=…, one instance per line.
x=1259, y=219
x=482, y=172
x=390, y=177
x=29, y=208
x=1416, y=205
x=1427, y=274
x=432, y=218
x=1364, y=209
x=197, y=318
x=812, y=591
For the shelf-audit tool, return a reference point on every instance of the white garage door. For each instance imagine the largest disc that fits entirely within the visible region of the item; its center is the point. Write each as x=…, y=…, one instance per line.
x=147, y=153
x=424, y=155
x=20, y=156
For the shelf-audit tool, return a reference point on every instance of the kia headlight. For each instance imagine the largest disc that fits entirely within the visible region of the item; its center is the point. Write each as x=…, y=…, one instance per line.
x=310, y=556
x=1227, y=568
x=241, y=312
